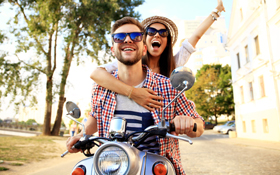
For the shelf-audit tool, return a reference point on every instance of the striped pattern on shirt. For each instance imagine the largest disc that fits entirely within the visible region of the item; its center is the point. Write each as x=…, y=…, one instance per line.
x=138, y=119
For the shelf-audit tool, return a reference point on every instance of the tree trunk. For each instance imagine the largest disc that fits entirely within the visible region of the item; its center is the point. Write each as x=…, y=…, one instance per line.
x=62, y=99
x=58, y=119
x=48, y=108
x=216, y=120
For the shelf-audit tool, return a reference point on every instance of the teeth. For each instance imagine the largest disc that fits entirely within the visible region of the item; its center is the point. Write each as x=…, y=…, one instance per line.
x=128, y=49
x=156, y=42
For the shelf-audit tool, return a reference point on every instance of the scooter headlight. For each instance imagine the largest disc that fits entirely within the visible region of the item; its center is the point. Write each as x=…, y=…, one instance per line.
x=112, y=160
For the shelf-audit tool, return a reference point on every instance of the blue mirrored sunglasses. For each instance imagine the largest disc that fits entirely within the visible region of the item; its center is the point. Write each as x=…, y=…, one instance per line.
x=134, y=36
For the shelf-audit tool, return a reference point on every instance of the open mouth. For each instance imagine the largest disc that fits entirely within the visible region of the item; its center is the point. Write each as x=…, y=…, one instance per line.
x=156, y=44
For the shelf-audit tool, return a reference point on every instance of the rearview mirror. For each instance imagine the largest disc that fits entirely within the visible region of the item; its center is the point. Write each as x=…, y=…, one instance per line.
x=73, y=109
x=182, y=77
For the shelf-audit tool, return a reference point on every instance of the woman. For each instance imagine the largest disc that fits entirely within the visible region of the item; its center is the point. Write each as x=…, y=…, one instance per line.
x=161, y=34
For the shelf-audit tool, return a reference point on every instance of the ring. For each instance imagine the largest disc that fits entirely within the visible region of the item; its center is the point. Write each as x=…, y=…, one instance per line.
x=149, y=104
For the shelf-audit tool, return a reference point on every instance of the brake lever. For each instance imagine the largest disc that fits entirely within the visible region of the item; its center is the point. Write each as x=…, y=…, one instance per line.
x=178, y=137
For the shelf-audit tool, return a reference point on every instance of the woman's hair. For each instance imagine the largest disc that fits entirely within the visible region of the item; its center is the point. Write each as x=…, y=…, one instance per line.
x=166, y=61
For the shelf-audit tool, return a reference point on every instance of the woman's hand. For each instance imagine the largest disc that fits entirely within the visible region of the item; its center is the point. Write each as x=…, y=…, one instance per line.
x=146, y=98
x=220, y=7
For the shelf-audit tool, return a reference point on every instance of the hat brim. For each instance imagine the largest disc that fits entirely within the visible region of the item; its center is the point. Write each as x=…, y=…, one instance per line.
x=165, y=21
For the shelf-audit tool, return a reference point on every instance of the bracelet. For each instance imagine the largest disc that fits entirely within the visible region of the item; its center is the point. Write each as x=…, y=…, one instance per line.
x=130, y=92
x=214, y=17
x=217, y=12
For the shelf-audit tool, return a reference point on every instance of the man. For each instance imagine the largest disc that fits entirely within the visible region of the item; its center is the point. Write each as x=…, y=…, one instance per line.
x=128, y=47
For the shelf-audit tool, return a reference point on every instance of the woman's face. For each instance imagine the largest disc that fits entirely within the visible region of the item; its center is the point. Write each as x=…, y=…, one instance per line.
x=156, y=44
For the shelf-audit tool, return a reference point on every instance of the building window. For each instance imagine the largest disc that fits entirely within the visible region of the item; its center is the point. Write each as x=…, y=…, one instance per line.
x=238, y=60
x=244, y=126
x=241, y=94
x=253, y=126
x=251, y=91
x=265, y=126
x=262, y=86
x=247, y=54
x=257, y=45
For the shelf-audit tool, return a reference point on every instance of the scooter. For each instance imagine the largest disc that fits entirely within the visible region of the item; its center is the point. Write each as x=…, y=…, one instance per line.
x=118, y=154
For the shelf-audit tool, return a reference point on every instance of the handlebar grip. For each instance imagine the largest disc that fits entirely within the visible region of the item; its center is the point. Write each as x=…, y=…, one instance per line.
x=172, y=127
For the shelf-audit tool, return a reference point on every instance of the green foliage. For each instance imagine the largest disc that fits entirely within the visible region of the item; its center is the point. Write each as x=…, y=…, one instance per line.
x=2, y=37
x=30, y=121
x=77, y=28
x=15, y=83
x=62, y=124
x=16, y=164
x=213, y=91
x=3, y=169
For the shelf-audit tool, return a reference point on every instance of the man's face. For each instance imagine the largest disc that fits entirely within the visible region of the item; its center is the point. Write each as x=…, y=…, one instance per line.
x=128, y=52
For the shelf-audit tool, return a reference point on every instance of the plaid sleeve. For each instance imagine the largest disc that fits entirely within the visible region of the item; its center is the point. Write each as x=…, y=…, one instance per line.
x=94, y=97
x=186, y=107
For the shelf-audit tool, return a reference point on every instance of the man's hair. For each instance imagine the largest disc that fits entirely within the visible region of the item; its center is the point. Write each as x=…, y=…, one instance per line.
x=126, y=20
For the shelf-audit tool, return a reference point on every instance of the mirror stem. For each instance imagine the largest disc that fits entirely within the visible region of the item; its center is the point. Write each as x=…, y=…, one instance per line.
x=72, y=118
x=163, y=118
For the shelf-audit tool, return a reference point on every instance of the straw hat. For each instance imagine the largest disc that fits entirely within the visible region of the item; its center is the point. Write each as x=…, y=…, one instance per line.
x=165, y=21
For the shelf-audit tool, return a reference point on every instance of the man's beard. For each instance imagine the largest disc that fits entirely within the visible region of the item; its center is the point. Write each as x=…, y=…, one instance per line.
x=128, y=62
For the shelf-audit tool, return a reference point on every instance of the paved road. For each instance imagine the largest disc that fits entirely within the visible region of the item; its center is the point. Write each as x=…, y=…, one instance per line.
x=212, y=153
x=217, y=154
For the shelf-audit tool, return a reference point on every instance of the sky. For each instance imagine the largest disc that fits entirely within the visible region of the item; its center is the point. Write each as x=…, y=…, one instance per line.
x=80, y=83
x=182, y=9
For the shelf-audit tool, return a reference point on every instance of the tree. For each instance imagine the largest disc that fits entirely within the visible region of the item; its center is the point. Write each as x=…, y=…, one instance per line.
x=213, y=91
x=78, y=27
x=2, y=37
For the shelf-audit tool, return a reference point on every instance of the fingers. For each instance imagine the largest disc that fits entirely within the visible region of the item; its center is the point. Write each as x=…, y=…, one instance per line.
x=69, y=144
x=148, y=107
x=154, y=95
x=183, y=124
x=154, y=104
x=177, y=124
x=220, y=6
x=147, y=98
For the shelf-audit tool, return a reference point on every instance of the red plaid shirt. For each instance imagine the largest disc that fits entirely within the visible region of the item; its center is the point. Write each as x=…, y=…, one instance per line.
x=104, y=103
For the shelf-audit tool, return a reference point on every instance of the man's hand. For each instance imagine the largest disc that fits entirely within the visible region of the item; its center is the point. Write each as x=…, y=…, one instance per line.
x=71, y=141
x=183, y=125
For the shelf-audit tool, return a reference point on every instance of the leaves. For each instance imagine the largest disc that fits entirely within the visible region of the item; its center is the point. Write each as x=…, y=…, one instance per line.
x=213, y=92
x=56, y=31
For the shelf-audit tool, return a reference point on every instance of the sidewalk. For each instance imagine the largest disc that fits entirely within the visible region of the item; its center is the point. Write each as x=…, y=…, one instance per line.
x=17, y=132
x=252, y=143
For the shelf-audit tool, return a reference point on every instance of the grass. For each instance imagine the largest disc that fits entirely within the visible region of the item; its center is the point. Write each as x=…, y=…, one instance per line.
x=3, y=169
x=16, y=164
x=20, y=150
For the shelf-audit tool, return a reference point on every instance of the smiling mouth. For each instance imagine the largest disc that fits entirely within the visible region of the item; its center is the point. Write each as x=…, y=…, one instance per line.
x=128, y=49
x=156, y=44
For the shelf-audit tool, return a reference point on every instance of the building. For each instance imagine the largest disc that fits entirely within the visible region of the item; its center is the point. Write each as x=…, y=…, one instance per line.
x=254, y=39
x=211, y=47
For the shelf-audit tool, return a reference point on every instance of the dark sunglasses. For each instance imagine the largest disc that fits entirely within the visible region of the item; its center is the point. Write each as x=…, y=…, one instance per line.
x=134, y=36
x=152, y=31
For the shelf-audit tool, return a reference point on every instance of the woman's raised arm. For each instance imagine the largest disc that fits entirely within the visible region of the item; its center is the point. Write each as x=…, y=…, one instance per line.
x=205, y=25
